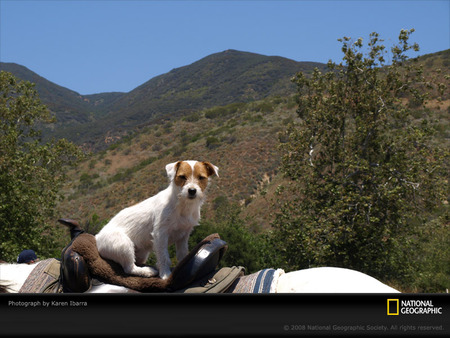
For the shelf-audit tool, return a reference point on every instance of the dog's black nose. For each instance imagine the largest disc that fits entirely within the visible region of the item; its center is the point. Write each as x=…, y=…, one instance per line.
x=192, y=192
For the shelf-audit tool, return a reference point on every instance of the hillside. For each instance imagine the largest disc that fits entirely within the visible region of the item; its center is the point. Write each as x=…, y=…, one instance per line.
x=216, y=80
x=241, y=139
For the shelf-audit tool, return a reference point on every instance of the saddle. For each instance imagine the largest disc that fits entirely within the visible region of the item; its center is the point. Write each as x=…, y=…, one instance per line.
x=81, y=263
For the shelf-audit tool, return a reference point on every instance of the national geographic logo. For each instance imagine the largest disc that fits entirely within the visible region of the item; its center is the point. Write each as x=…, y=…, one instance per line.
x=396, y=307
x=392, y=307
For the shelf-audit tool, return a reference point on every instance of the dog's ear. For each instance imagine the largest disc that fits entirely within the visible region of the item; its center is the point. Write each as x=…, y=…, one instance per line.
x=211, y=169
x=171, y=169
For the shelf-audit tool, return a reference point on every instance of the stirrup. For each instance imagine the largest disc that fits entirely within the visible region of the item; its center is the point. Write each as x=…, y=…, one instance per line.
x=205, y=261
x=74, y=272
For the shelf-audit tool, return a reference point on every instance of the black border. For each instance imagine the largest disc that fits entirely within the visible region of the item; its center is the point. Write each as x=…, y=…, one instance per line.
x=261, y=315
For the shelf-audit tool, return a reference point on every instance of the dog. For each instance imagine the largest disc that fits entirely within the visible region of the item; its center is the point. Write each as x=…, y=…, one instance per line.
x=157, y=222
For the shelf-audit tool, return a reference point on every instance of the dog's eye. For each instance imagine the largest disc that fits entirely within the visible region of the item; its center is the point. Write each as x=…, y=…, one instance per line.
x=201, y=178
x=182, y=177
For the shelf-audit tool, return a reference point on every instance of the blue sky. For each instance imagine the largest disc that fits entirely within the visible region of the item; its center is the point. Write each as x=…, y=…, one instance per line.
x=102, y=46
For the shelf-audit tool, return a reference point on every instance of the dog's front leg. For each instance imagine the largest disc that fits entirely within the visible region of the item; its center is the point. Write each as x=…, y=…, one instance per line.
x=182, y=247
x=162, y=256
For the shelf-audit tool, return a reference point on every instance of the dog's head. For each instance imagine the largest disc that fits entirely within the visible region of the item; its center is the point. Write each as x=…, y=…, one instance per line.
x=191, y=177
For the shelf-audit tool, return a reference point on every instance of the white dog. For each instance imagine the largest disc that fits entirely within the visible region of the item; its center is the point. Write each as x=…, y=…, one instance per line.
x=158, y=222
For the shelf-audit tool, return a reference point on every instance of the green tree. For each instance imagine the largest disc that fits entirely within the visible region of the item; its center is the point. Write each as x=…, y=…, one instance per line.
x=244, y=247
x=363, y=172
x=31, y=172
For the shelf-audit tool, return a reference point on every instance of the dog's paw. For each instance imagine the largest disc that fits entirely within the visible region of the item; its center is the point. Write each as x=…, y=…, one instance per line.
x=144, y=271
x=151, y=271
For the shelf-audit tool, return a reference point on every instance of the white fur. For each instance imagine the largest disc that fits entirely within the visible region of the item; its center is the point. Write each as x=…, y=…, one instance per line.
x=153, y=224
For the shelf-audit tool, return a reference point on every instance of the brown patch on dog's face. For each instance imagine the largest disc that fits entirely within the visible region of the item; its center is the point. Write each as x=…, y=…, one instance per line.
x=183, y=173
x=201, y=174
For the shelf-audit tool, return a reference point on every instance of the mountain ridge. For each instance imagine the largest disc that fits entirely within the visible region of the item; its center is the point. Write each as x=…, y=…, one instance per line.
x=205, y=78
x=66, y=104
x=218, y=79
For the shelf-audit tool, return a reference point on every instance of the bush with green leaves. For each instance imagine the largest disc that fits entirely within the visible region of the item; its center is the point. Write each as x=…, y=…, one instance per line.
x=245, y=248
x=364, y=177
x=31, y=172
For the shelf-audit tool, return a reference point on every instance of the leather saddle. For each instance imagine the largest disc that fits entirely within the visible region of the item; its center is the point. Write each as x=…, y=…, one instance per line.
x=80, y=263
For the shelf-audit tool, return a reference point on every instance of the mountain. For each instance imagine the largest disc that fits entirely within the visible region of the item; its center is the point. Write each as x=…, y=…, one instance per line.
x=219, y=79
x=67, y=105
x=231, y=76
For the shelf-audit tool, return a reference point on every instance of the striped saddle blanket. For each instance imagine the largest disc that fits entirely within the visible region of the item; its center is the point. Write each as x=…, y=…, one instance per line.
x=264, y=281
x=44, y=278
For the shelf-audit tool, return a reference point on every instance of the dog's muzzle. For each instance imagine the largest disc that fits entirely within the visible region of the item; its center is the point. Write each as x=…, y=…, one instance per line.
x=192, y=193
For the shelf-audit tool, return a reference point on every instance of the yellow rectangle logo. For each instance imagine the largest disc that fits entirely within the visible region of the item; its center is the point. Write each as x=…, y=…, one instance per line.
x=392, y=307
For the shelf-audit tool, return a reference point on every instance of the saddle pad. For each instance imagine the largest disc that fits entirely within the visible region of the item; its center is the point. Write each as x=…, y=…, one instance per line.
x=42, y=277
x=264, y=281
